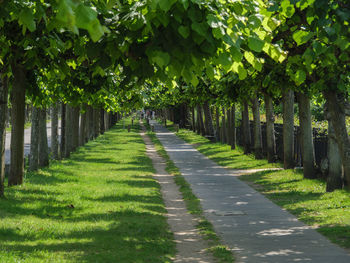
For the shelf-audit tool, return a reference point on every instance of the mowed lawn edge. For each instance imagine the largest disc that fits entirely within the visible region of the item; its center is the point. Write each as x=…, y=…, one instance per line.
x=99, y=205
x=307, y=199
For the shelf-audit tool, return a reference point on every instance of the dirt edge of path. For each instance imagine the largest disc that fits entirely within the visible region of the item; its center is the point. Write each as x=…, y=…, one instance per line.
x=190, y=246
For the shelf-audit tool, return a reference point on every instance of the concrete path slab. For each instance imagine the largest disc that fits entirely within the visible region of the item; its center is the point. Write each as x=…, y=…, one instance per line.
x=255, y=228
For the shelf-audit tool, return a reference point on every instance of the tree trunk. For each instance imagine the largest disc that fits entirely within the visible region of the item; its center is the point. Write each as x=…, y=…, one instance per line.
x=54, y=131
x=233, y=126
x=217, y=121
x=198, y=120
x=63, y=130
x=106, y=120
x=270, y=130
x=102, y=121
x=335, y=168
x=17, y=132
x=3, y=117
x=91, y=129
x=193, y=121
x=307, y=144
x=43, y=145
x=69, y=130
x=34, y=141
x=246, y=129
x=75, y=126
x=208, y=119
x=201, y=122
x=224, y=129
x=82, y=131
x=335, y=105
x=258, y=148
x=229, y=126
x=96, y=114
x=288, y=129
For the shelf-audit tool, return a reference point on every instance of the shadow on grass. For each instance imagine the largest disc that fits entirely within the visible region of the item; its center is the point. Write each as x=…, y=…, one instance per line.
x=127, y=239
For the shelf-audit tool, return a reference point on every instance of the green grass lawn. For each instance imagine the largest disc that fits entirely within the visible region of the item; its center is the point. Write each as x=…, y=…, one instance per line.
x=222, y=153
x=101, y=205
x=308, y=200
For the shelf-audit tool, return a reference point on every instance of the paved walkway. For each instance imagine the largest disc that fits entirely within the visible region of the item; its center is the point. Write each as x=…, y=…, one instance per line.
x=256, y=229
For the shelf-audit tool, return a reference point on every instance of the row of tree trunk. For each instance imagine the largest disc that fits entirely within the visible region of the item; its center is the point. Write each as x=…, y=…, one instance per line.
x=338, y=160
x=78, y=125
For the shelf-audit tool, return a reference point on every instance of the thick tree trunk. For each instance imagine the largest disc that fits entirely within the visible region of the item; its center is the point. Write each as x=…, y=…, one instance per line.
x=63, y=130
x=258, y=148
x=335, y=168
x=43, y=145
x=96, y=114
x=3, y=117
x=193, y=120
x=208, y=119
x=270, y=130
x=335, y=105
x=69, y=127
x=106, y=120
x=233, y=127
x=224, y=128
x=288, y=129
x=76, y=116
x=54, y=131
x=91, y=129
x=201, y=122
x=246, y=129
x=198, y=120
x=307, y=144
x=34, y=141
x=229, y=126
x=102, y=121
x=217, y=122
x=17, y=132
x=82, y=131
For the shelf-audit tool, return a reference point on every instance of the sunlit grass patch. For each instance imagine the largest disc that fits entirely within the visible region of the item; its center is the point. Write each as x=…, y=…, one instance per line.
x=100, y=205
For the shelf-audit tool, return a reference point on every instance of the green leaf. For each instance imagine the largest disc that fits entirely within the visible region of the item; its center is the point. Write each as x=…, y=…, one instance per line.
x=86, y=18
x=200, y=28
x=26, y=18
x=165, y=5
x=242, y=72
x=210, y=72
x=300, y=77
x=301, y=36
x=236, y=54
x=161, y=58
x=184, y=31
x=255, y=44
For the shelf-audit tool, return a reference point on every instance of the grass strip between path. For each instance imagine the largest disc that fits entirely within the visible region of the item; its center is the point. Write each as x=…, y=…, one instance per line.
x=307, y=199
x=100, y=205
x=221, y=252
